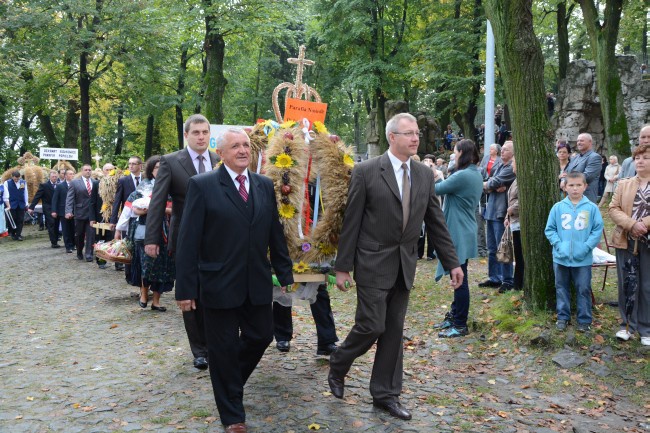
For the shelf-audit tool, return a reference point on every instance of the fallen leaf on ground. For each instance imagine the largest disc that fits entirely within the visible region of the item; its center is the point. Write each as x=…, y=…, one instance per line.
x=313, y=426
x=502, y=414
x=30, y=398
x=357, y=423
x=113, y=326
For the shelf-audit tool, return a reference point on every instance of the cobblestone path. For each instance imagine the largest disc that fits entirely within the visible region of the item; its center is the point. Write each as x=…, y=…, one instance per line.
x=79, y=355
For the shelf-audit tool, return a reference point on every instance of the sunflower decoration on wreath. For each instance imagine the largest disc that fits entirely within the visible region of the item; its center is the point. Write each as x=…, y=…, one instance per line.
x=292, y=162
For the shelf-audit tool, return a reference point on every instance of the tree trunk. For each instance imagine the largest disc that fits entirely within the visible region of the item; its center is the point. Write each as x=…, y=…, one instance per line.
x=148, y=139
x=603, y=40
x=155, y=137
x=180, y=93
x=214, y=80
x=45, y=121
x=71, y=132
x=522, y=70
x=119, y=142
x=563, y=46
x=84, y=99
x=257, y=86
x=381, y=120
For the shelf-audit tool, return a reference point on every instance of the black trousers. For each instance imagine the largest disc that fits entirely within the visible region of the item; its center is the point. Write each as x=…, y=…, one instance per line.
x=84, y=235
x=19, y=218
x=321, y=310
x=52, y=225
x=379, y=318
x=237, y=339
x=67, y=229
x=430, y=250
x=519, y=260
x=195, y=329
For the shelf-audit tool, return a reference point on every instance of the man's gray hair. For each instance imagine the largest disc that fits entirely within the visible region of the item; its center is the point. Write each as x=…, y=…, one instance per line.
x=391, y=125
x=587, y=135
x=221, y=138
x=195, y=118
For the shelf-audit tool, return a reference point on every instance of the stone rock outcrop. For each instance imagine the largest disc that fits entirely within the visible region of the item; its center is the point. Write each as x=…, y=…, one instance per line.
x=427, y=124
x=577, y=108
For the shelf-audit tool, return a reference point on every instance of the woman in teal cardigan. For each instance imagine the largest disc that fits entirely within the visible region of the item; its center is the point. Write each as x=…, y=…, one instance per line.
x=462, y=191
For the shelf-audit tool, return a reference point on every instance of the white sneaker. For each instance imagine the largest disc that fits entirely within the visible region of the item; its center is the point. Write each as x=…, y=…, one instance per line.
x=645, y=341
x=624, y=335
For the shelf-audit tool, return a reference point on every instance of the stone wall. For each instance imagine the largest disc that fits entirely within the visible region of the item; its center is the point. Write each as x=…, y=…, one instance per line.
x=427, y=124
x=577, y=108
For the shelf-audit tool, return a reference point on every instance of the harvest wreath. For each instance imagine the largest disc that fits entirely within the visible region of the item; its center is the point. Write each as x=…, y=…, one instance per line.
x=291, y=158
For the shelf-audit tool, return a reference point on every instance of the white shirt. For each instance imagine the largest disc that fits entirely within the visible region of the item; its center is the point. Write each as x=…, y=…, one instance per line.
x=397, y=168
x=133, y=176
x=206, y=161
x=233, y=175
x=5, y=196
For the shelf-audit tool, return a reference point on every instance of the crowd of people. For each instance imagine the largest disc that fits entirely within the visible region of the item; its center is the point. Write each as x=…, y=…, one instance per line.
x=213, y=232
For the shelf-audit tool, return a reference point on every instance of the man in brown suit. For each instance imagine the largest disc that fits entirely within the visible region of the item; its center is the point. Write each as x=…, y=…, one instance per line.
x=379, y=241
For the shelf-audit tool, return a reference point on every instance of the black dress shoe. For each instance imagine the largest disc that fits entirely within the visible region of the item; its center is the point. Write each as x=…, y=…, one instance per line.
x=489, y=283
x=505, y=287
x=394, y=408
x=142, y=304
x=68, y=250
x=89, y=259
x=157, y=308
x=327, y=350
x=201, y=363
x=283, y=346
x=80, y=257
x=19, y=238
x=337, y=385
x=56, y=246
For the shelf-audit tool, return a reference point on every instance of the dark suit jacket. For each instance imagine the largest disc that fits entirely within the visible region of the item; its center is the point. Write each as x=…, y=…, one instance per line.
x=222, y=248
x=372, y=242
x=173, y=176
x=44, y=194
x=96, y=204
x=125, y=186
x=58, y=199
x=78, y=201
x=589, y=163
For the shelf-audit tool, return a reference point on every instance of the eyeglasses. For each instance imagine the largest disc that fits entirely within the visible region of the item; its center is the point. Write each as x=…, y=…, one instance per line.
x=135, y=163
x=409, y=133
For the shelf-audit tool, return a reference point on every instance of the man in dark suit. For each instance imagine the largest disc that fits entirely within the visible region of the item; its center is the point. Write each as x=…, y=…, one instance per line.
x=230, y=223
x=587, y=162
x=77, y=206
x=58, y=211
x=172, y=179
x=44, y=194
x=125, y=186
x=388, y=199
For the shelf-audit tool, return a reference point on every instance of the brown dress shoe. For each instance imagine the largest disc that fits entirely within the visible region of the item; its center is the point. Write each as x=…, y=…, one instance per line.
x=240, y=427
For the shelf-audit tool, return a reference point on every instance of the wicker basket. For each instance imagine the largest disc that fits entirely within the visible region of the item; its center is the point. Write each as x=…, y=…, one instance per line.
x=103, y=255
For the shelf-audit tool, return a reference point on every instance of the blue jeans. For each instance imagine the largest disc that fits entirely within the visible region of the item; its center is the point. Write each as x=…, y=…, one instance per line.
x=460, y=306
x=581, y=277
x=497, y=271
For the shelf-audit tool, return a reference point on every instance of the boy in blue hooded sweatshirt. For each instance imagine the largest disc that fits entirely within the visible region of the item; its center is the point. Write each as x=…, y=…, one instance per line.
x=574, y=228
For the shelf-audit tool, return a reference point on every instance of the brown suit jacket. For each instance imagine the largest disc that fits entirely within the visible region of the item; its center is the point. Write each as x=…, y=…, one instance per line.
x=173, y=176
x=372, y=242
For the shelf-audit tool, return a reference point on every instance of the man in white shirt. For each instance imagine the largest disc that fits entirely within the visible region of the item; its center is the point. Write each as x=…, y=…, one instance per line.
x=16, y=201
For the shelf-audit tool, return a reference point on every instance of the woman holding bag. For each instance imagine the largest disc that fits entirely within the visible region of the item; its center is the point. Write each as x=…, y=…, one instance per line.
x=462, y=191
x=512, y=222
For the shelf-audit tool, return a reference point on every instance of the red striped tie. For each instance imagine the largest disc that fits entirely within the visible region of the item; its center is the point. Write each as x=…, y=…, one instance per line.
x=242, y=187
x=88, y=186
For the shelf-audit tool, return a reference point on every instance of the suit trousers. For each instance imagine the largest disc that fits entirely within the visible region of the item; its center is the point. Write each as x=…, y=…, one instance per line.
x=67, y=228
x=52, y=227
x=237, y=339
x=19, y=218
x=321, y=310
x=379, y=318
x=194, y=327
x=84, y=234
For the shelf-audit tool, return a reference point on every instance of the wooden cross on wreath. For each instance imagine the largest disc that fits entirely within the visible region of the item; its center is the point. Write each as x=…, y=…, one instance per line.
x=297, y=90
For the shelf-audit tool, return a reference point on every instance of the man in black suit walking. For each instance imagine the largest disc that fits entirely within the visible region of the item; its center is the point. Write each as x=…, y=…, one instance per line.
x=44, y=194
x=172, y=179
x=58, y=211
x=230, y=223
x=77, y=206
x=125, y=186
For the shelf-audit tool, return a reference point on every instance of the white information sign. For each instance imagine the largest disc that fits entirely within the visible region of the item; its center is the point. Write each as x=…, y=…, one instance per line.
x=58, y=153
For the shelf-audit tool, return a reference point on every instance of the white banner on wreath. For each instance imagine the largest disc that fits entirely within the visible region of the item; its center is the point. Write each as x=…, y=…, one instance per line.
x=59, y=153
